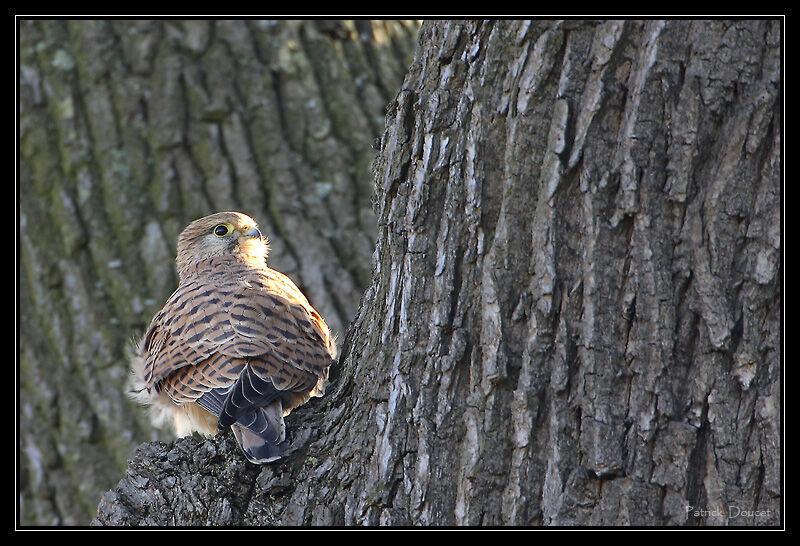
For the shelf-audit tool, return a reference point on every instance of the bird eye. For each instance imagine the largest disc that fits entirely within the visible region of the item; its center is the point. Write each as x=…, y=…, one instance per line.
x=222, y=230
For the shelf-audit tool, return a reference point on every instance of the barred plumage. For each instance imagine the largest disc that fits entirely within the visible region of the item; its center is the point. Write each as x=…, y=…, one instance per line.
x=236, y=338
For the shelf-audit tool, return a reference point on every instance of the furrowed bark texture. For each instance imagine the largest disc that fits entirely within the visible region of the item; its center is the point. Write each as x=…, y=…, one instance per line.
x=576, y=311
x=128, y=131
x=574, y=314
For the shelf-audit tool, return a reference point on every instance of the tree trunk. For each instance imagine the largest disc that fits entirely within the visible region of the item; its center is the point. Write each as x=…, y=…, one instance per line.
x=574, y=316
x=128, y=131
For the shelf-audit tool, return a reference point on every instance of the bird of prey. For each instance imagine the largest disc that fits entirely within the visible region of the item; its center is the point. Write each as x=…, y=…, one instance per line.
x=236, y=345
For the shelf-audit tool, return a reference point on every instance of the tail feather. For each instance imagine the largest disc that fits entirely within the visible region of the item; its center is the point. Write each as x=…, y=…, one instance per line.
x=248, y=393
x=256, y=449
x=260, y=431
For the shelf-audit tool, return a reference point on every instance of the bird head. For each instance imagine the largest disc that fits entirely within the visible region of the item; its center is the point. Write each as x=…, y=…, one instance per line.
x=220, y=234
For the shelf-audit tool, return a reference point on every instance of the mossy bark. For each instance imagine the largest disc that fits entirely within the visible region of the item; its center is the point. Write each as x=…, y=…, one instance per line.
x=128, y=131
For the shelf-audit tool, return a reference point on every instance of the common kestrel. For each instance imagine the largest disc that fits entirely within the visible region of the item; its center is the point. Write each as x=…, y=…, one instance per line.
x=236, y=345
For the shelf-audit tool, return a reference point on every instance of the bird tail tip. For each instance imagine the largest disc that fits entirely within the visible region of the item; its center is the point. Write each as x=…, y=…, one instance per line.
x=257, y=449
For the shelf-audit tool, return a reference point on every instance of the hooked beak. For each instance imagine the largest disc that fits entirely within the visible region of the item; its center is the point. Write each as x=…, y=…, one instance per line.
x=253, y=233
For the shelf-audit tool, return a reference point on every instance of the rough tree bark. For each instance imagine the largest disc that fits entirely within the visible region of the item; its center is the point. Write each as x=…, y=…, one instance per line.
x=128, y=131
x=575, y=308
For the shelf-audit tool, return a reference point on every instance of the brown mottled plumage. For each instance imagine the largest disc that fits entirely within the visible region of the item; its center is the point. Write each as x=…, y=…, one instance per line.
x=237, y=344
